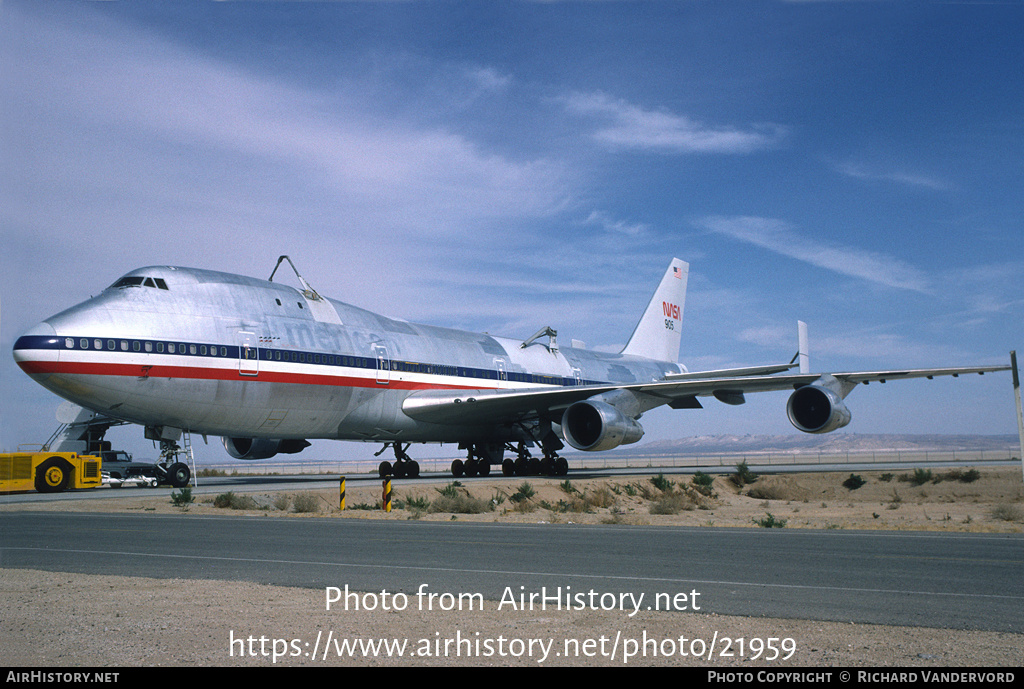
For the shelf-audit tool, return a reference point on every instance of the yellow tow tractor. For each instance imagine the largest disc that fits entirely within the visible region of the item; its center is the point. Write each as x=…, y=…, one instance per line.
x=48, y=472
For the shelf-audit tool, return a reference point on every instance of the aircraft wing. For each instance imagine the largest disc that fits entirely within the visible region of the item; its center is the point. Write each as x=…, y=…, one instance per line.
x=680, y=391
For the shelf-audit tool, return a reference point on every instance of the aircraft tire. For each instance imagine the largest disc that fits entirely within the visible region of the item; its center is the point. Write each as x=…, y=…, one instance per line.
x=413, y=469
x=53, y=476
x=178, y=475
x=398, y=470
x=458, y=468
x=521, y=466
x=561, y=466
x=384, y=469
x=484, y=469
x=508, y=467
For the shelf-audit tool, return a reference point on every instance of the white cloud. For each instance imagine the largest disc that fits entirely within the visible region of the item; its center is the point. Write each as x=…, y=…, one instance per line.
x=781, y=238
x=488, y=78
x=630, y=126
x=610, y=224
x=867, y=174
x=117, y=84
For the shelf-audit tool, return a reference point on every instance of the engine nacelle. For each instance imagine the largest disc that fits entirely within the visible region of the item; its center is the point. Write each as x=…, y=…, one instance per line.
x=595, y=425
x=814, y=409
x=261, y=448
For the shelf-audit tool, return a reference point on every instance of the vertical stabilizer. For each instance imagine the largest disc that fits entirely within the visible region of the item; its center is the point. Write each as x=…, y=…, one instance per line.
x=658, y=333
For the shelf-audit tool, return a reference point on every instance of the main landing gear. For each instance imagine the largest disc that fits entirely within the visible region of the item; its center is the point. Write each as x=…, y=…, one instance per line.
x=404, y=466
x=482, y=455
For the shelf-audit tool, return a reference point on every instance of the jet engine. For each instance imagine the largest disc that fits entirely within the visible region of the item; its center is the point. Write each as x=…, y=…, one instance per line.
x=261, y=448
x=814, y=409
x=595, y=425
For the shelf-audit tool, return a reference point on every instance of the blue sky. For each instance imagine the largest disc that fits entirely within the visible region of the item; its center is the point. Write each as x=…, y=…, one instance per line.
x=503, y=166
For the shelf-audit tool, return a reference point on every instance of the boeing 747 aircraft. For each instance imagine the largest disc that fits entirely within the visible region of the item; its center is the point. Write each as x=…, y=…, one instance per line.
x=268, y=367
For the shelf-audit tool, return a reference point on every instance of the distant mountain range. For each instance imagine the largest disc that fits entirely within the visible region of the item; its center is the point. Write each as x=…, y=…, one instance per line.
x=830, y=443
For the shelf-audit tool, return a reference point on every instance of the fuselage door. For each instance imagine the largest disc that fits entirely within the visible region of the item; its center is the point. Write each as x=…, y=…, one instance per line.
x=499, y=365
x=248, y=354
x=380, y=353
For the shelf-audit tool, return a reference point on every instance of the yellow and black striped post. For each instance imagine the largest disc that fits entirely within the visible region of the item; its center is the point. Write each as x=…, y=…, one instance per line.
x=341, y=494
x=386, y=496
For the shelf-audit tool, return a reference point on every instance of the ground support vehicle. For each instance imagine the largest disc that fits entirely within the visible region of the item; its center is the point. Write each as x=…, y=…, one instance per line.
x=117, y=482
x=121, y=470
x=49, y=472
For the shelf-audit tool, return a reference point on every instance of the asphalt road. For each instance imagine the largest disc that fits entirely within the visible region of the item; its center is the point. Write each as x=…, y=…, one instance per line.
x=960, y=581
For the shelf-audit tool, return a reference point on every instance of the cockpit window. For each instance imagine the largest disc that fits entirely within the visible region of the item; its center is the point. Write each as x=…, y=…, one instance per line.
x=135, y=281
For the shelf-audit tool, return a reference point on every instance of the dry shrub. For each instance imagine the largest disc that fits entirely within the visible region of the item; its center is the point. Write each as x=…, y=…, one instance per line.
x=1006, y=512
x=461, y=504
x=777, y=488
x=672, y=503
x=602, y=497
x=306, y=502
x=235, y=502
x=524, y=506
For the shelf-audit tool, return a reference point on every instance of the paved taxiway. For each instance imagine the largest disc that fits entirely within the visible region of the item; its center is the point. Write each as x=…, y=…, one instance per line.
x=962, y=581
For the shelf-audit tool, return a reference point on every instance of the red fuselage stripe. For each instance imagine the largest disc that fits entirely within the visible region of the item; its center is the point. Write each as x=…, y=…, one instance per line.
x=202, y=373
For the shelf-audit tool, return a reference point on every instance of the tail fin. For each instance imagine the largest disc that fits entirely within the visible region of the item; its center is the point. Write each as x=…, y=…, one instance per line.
x=659, y=331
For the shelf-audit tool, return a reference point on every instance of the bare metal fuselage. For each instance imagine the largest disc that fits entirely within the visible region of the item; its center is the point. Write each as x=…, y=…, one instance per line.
x=228, y=355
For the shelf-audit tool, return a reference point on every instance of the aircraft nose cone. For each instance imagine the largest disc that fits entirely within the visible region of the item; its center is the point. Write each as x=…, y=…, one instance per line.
x=36, y=351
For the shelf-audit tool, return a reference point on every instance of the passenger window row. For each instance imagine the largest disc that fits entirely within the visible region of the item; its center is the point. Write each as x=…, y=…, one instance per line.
x=267, y=354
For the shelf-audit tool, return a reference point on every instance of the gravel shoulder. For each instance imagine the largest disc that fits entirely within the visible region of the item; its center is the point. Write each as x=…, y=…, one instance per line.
x=71, y=620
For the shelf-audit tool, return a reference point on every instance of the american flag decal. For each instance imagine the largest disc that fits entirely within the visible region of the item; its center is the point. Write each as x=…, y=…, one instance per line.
x=677, y=272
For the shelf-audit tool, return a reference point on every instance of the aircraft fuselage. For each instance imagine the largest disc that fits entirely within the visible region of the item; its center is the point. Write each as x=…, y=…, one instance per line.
x=222, y=354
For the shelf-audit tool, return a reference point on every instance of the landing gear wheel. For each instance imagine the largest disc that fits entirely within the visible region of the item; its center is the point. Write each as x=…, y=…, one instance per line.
x=53, y=476
x=412, y=469
x=561, y=466
x=384, y=469
x=458, y=468
x=508, y=467
x=178, y=475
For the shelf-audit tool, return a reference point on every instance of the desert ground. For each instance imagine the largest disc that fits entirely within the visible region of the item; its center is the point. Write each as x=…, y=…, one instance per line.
x=119, y=622
x=986, y=499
